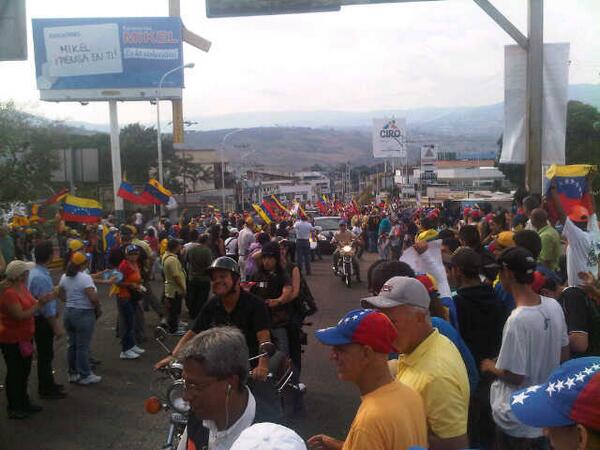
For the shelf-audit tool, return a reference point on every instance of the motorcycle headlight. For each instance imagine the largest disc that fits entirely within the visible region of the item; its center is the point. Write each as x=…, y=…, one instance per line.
x=322, y=237
x=175, y=398
x=347, y=248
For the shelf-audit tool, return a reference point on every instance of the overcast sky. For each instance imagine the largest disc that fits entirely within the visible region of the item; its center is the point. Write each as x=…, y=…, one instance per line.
x=447, y=53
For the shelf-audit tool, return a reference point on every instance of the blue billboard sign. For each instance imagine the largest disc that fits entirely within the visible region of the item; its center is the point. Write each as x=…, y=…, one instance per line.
x=114, y=54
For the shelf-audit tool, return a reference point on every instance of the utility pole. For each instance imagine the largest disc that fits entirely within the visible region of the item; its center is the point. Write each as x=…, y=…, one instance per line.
x=535, y=84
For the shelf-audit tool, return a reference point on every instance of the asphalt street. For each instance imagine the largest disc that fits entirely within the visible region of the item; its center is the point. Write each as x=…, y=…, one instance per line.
x=111, y=415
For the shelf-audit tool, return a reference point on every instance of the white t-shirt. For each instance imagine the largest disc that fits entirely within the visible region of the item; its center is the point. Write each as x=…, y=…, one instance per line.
x=75, y=290
x=583, y=249
x=231, y=246
x=532, y=340
x=139, y=218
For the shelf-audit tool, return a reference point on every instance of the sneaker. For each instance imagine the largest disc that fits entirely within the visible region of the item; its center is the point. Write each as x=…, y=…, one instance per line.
x=92, y=378
x=74, y=378
x=138, y=350
x=129, y=354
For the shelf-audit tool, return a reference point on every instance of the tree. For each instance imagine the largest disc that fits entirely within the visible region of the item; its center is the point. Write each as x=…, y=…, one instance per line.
x=26, y=164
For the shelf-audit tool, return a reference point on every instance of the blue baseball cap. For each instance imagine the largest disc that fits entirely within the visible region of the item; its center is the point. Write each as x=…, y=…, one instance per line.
x=571, y=395
x=361, y=326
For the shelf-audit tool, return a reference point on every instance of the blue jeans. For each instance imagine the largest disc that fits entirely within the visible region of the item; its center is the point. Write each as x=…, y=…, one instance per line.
x=372, y=241
x=303, y=255
x=79, y=324
x=127, y=312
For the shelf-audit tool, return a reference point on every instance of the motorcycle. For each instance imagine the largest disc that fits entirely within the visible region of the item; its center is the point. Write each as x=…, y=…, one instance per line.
x=274, y=390
x=345, y=266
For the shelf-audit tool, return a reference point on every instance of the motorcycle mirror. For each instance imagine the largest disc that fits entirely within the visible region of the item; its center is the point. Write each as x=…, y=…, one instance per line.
x=152, y=405
x=267, y=348
x=160, y=334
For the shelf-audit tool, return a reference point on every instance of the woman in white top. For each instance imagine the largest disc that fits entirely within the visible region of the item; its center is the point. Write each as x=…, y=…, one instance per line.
x=82, y=306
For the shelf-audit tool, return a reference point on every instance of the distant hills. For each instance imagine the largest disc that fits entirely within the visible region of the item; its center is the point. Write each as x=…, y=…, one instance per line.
x=298, y=139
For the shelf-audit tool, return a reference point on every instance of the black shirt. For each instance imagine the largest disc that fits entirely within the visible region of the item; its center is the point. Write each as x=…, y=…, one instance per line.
x=583, y=315
x=270, y=286
x=249, y=315
x=481, y=318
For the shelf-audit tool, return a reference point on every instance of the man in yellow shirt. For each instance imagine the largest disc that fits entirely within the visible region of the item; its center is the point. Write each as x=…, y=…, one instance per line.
x=391, y=415
x=175, y=285
x=429, y=362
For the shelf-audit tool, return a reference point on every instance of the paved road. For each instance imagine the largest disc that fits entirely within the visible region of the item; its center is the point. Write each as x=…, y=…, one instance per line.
x=110, y=415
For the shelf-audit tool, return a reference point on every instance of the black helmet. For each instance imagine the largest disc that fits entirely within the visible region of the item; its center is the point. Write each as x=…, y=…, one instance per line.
x=271, y=249
x=225, y=263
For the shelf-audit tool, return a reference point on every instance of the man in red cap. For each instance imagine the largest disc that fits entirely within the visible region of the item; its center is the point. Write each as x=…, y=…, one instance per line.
x=391, y=415
x=580, y=229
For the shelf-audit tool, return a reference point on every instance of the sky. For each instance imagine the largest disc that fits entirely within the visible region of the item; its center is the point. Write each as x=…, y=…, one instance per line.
x=370, y=57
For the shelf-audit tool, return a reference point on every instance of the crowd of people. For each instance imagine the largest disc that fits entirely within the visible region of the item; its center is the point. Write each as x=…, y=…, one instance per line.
x=496, y=347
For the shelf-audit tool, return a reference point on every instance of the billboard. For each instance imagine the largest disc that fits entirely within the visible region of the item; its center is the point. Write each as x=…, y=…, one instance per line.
x=234, y=8
x=389, y=138
x=429, y=157
x=108, y=58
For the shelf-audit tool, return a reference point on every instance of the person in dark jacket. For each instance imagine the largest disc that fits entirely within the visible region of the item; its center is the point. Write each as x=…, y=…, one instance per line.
x=481, y=317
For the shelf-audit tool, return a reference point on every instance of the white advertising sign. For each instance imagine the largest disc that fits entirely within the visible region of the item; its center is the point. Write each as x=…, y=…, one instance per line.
x=83, y=50
x=389, y=138
x=554, y=112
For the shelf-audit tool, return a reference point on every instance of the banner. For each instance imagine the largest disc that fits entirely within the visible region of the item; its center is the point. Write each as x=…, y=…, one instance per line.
x=389, y=138
x=555, y=98
x=429, y=262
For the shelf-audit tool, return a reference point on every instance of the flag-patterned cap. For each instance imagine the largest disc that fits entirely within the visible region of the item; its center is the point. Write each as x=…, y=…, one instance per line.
x=570, y=396
x=361, y=326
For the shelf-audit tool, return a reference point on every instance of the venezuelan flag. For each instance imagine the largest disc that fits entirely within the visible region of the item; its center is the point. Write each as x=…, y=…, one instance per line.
x=156, y=193
x=127, y=192
x=571, y=185
x=279, y=204
x=56, y=197
x=268, y=211
x=77, y=209
x=261, y=213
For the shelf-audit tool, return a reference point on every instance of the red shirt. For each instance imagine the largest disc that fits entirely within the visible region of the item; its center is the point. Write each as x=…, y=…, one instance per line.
x=152, y=242
x=12, y=330
x=131, y=274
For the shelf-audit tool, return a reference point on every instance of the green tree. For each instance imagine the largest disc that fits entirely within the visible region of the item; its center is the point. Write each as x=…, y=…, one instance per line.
x=26, y=164
x=139, y=154
x=583, y=134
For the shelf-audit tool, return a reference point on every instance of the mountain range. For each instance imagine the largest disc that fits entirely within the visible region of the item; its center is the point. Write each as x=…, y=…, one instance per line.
x=299, y=139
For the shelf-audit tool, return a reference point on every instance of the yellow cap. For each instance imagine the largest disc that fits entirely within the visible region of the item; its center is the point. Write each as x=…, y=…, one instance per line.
x=75, y=245
x=78, y=258
x=506, y=239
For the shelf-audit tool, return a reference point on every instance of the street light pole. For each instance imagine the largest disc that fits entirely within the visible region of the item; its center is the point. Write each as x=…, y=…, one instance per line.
x=158, y=133
x=231, y=133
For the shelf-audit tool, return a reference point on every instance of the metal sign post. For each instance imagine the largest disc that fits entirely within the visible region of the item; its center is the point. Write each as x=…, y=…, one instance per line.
x=115, y=156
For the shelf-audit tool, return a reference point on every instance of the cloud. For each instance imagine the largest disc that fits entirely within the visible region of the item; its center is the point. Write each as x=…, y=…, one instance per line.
x=447, y=53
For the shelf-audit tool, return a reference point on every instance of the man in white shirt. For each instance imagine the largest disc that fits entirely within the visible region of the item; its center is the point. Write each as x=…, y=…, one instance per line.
x=215, y=369
x=534, y=342
x=231, y=244
x=583, y=236
x=303, y=229
x=245, y=239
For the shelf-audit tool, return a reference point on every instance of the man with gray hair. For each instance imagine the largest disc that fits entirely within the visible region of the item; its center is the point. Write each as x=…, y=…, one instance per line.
x=428, y=362
x=215, y=371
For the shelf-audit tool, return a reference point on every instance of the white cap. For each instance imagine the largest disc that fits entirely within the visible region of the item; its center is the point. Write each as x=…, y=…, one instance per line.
x=268, y=436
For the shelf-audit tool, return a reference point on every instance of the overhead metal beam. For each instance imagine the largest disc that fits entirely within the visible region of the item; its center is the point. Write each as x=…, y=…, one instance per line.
x=504, y=23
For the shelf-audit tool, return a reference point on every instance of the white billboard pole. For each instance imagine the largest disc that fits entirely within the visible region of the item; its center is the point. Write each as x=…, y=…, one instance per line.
x=115, y=157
